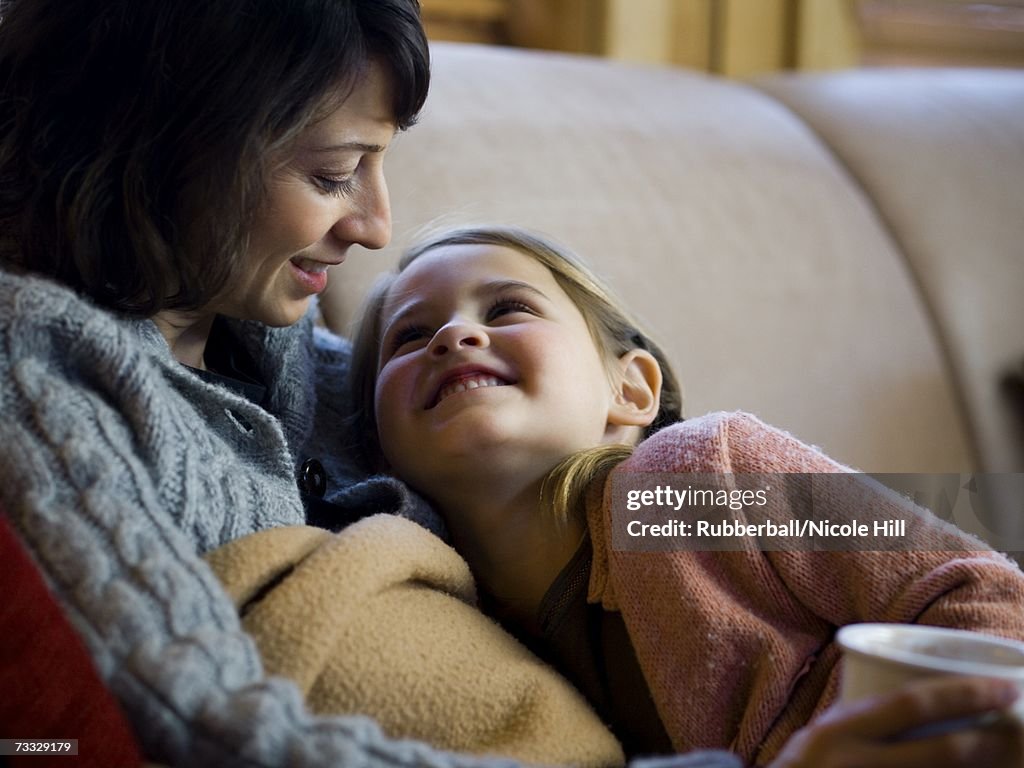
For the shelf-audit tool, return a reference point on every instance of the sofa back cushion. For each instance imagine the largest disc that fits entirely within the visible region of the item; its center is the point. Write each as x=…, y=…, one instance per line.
x=941, y=152
x=721, y=219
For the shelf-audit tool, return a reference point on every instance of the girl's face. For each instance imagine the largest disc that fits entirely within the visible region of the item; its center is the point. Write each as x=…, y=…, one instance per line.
x=485, y=362
x=329, y=195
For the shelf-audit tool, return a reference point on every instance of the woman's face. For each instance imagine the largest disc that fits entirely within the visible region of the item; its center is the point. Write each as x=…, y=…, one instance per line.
x=329, y=194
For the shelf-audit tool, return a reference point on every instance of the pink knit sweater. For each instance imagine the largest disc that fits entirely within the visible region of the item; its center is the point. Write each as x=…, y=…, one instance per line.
x=737, y=647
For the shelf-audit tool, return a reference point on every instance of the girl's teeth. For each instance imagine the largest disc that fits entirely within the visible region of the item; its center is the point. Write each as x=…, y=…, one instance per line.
x=473, y=382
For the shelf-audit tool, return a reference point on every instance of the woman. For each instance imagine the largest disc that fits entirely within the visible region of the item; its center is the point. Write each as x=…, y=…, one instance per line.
x=166, y=166
x=176, y=180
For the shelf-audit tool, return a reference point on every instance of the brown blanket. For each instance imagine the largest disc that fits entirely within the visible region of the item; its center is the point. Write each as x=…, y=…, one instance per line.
x=380, y=619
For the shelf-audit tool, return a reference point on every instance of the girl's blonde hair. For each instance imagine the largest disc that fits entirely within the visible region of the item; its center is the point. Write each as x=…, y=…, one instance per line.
x=615, y=331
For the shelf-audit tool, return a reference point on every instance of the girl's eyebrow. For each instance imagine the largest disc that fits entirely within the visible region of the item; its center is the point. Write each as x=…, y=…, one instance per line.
x=500, y=286
x=491, y=288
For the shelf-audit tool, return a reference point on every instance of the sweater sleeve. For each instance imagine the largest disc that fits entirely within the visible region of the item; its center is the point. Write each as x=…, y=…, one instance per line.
x=944, y=577
x=93, y=501
x=760, y=624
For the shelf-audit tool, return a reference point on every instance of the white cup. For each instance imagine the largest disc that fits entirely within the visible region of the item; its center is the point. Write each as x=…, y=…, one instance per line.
x=881, y=658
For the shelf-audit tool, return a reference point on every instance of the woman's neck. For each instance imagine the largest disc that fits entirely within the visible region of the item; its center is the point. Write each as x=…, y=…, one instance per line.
x=513, y=546
x=186, y=334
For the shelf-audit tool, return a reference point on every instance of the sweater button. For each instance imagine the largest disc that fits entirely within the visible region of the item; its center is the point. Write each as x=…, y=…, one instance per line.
x=312, y=478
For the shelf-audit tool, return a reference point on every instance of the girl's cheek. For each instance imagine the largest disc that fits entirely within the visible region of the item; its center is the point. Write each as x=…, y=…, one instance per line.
x=384, y=392
x=379, y=388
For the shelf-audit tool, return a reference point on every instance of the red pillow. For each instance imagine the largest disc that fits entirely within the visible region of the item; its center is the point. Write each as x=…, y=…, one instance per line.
x=50, y=689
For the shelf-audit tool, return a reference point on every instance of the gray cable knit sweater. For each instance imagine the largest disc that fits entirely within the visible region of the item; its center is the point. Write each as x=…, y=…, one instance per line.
x=119, y=467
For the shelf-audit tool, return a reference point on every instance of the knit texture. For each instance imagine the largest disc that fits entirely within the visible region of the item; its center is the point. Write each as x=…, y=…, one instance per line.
x=65, y=697
x=381, y=619
x=118, y=467
x=737, y=647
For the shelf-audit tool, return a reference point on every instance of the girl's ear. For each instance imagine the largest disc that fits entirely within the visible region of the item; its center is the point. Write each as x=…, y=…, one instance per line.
x=637, y=391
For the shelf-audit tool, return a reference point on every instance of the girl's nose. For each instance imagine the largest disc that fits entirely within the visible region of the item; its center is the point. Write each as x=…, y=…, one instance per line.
x=457, y=335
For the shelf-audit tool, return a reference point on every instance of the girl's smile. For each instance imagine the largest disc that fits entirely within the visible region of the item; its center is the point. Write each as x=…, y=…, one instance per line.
x=466, y=379
x=485, y=365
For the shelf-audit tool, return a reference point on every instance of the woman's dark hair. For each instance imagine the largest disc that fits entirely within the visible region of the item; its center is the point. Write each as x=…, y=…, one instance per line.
x=137, y=137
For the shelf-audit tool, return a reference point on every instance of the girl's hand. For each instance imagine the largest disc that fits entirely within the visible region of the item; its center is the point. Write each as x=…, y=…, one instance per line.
x=866, y=733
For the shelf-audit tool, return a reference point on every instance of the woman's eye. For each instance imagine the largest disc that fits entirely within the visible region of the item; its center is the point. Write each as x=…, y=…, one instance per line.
x=338, y=186
x=508, y=307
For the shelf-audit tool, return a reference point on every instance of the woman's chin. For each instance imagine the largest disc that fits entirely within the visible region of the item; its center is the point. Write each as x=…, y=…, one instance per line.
x=280, y=315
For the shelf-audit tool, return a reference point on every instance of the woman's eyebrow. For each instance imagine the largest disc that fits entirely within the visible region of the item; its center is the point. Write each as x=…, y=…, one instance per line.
x=351, y=146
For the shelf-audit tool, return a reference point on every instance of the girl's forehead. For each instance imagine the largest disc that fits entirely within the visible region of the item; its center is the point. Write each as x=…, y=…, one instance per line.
x=454, y=268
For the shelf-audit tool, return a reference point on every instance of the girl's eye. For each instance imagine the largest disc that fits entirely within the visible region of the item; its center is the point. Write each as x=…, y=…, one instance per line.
x=410, y=335
x=342, y=186
x=507, y=307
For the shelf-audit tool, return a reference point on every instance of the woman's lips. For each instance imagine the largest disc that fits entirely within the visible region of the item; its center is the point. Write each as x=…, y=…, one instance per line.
x=310, y=273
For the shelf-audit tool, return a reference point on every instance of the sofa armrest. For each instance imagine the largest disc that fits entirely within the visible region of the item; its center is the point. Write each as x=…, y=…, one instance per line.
x=941, y=155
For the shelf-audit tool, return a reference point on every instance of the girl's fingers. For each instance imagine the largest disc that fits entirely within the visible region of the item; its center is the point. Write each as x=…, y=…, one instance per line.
x=993, y=746
x=878, y=732
x=919, y=704
x=967, y=748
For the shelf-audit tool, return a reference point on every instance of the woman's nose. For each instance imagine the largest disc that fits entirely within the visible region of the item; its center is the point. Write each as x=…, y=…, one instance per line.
x=369, y=224
x=457, y=335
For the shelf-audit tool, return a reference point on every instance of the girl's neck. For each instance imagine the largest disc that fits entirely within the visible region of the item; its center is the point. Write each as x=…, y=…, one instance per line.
x=186, y=334
x=514, y=548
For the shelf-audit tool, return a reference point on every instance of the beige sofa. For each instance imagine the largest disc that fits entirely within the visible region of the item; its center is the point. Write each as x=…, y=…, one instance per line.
x=841, y=254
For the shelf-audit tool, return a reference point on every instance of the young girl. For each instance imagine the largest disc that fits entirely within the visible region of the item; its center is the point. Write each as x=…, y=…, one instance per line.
x=496, y=376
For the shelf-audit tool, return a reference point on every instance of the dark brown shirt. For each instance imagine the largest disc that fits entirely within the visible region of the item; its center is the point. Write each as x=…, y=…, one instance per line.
x=591, y=647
